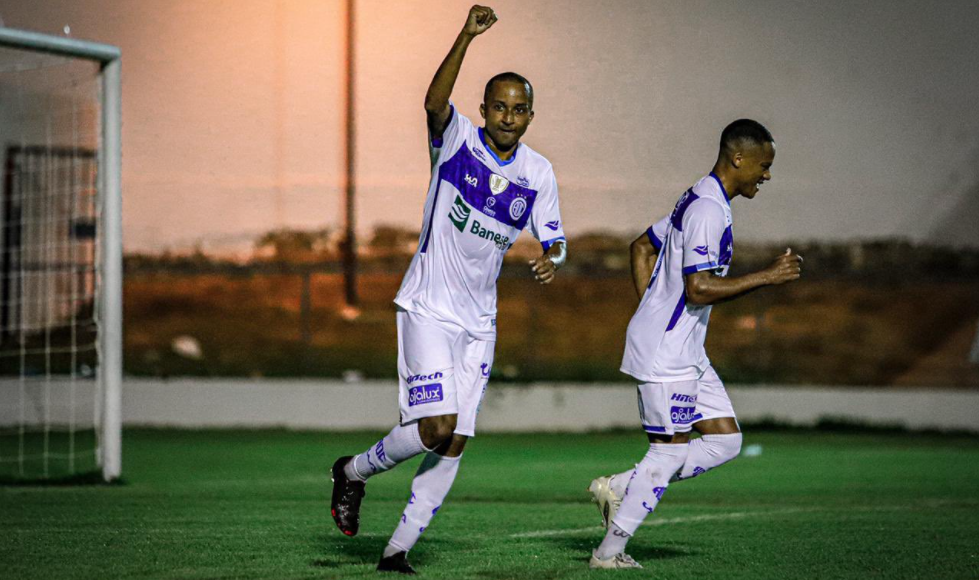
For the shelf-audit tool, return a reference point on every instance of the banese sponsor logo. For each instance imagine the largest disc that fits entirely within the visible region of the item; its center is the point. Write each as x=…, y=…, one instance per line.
x=459, y=214
x=502, y=242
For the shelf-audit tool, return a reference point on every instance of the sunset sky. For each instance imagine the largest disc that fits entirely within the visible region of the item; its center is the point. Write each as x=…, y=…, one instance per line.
x=233, y=122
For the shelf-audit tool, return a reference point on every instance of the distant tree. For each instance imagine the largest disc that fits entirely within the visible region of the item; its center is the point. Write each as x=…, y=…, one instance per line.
x=390, y=240
x=297, y=246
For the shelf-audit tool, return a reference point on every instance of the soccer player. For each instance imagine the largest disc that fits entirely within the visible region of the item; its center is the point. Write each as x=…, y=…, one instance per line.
x=679, y=268
x=486, y=187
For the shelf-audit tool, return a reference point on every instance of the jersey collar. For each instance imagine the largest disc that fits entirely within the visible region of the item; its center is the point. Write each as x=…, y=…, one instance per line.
x=721, y=186
x=500, y=162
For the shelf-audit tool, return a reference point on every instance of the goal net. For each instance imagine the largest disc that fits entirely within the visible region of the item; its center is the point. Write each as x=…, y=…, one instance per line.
x=60, y=258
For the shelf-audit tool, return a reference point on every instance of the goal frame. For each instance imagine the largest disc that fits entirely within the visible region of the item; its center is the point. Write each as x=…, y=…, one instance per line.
x=109, y=234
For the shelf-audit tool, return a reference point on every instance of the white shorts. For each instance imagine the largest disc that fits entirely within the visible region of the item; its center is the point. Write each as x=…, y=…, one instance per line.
x=668, y=408
x=442, y=370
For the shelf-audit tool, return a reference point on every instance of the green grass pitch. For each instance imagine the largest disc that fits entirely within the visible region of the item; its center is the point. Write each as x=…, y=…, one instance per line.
x=254, y=504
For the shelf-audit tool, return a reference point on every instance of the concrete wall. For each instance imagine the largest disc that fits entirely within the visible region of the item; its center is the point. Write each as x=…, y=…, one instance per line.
x=334, y=405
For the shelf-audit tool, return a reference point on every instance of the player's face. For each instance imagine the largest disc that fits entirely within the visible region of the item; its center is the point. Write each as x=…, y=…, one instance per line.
x=756, y=168
x=508, y=113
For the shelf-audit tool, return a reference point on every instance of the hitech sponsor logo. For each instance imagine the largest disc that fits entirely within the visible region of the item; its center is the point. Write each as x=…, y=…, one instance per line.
x=683, y=415
x=459, y=214
x=431, y=377
x=424, y=394
x=683, y=398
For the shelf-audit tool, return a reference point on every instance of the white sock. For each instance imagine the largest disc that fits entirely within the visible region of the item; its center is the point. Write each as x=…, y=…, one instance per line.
x=708, y=452
x=428, y=491
x=401, y=444
x=651, y=478
x=620, y=481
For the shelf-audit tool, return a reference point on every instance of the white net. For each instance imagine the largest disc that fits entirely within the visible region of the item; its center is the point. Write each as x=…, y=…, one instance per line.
x=50, y=390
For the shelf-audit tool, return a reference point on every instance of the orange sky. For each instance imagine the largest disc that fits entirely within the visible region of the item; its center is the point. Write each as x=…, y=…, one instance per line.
x=232, y=119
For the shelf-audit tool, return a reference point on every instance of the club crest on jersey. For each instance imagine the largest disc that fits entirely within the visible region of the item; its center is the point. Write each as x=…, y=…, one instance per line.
x=498, y=184
x=517, y=207
x=459, y=214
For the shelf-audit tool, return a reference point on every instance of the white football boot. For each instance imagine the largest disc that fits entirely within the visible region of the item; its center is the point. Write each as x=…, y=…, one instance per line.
x=608, y=502
x=620, y=560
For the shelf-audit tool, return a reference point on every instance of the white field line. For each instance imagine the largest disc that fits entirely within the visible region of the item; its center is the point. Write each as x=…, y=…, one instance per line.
x=714, y=517
x=666, y=522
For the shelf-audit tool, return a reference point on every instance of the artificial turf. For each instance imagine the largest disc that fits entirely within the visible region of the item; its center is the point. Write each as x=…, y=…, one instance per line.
x=254, y=504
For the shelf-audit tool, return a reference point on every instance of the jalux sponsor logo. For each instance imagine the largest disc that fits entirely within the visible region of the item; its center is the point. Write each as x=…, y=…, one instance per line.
x=502, y=242
x=682, y=415
x=431, y=377
x=684, y=398
x=424, y=394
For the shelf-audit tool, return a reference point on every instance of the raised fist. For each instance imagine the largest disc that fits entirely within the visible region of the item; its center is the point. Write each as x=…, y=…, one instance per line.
x=481, y=18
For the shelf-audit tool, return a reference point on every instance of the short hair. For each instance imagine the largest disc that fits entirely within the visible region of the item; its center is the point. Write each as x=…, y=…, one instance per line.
x=744, y=131
x=509, y=77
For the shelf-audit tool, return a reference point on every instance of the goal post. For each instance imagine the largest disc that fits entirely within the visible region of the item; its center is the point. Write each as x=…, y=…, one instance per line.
x=64, y=234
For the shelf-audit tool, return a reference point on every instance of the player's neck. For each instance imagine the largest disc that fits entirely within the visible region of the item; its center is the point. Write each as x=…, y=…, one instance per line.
x=501, y=154
x=727, y=182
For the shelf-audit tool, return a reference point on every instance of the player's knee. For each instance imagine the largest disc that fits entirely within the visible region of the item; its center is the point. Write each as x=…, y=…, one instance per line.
x=730, y=446
x=436, y=431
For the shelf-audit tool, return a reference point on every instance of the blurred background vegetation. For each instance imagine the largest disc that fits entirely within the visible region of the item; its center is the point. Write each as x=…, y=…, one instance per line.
x=884, y=313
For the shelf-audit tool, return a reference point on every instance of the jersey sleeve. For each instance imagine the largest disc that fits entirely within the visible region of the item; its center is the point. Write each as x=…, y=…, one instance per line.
x=545, y=218
x=657, y=233
x=703, y=226
x=452, y=137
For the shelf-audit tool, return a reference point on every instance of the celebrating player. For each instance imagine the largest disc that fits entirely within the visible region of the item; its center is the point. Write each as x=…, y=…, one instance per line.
x=486, y=187
x=679, y=267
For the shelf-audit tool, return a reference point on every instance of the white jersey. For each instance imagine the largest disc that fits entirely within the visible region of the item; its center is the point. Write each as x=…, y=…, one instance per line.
x=477, y=205
x=665, y=339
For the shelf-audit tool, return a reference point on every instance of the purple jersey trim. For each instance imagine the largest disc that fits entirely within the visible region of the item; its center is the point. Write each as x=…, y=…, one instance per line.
x=699, y=267
x=547, y=245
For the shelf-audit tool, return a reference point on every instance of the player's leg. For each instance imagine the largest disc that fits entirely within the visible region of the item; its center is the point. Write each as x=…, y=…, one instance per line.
x=428, y=414
x=667, y=426
x=720, y=439
x=439, y=468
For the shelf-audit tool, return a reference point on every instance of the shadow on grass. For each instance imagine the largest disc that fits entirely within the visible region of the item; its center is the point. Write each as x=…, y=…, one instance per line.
x=339, y=551
x=637, y=549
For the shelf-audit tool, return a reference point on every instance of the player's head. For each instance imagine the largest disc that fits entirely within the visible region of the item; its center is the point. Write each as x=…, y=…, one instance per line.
x=746, y=155
x=508, y=108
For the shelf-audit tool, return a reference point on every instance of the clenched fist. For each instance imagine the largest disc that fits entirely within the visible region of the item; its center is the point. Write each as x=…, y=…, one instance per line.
x=785, y=268
x=480, y=19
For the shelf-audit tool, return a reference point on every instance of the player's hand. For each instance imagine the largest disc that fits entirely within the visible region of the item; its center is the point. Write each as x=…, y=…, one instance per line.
x=481, y=18
x=543, y=269
x=785, y=268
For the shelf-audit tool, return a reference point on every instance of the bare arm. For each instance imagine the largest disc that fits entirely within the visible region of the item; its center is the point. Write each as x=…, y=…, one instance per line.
x=643, y=255
x=480, y=19
x=550, y=261
x=704, y=288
